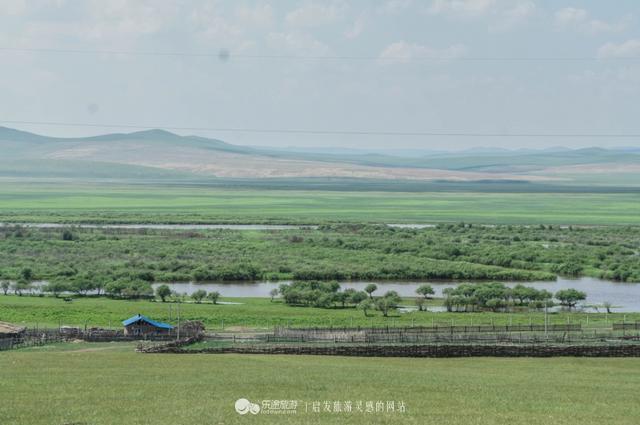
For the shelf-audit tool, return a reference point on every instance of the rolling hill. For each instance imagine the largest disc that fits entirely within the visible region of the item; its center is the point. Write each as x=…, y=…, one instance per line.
x=158, y=155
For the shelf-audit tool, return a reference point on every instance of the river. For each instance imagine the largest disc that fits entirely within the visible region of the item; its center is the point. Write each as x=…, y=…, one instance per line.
x=625, y=297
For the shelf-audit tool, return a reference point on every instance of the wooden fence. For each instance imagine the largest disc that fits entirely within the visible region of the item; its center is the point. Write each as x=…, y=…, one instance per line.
x=430, y=350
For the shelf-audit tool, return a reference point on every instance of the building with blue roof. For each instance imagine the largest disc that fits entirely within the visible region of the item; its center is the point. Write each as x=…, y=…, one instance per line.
x=143, y=326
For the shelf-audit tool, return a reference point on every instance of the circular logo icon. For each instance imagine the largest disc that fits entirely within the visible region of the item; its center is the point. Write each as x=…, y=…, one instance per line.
x=255, y=408
x=244, y=406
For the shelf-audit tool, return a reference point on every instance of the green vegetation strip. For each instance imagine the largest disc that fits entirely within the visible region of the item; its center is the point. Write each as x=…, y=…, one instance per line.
x=94, y=258
x=259, y=313
x=72, y=202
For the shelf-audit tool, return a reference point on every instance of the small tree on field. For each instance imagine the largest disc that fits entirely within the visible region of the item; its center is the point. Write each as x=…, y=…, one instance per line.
x=357, y=297
x=26, y=274
x=163, y=291
x=365, y=306
x=213, y=297
x=342, y=298
x=199, y=295
x=57, y=287
x=425, y=290
x=388, y=302
x=20, y=286
x=608, y=306
x=420, y=303
x=570, y=297
x=274, y=293
x=5, y=285
x=370, y=289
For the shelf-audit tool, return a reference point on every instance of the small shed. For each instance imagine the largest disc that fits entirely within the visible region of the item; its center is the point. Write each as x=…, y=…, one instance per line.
x=9, y=330
x=142, y=325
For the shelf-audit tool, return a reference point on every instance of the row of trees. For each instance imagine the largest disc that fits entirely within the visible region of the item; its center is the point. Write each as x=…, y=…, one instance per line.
x=164, y=292
x=496, y=296
x=493, y=296
x=331, y=295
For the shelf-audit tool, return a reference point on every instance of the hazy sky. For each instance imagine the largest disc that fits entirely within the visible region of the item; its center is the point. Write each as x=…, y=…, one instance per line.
x=379, y=66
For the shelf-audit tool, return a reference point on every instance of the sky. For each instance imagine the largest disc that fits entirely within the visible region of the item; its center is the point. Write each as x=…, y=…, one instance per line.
x=396, y=66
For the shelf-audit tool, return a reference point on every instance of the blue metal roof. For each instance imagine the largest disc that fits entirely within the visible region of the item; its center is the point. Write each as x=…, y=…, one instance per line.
x=140, y=317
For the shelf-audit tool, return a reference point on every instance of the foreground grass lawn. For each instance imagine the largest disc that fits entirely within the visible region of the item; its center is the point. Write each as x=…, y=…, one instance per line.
x=111, y=384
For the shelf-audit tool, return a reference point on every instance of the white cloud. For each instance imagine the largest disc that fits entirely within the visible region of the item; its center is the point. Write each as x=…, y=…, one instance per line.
x=628, y=49
x=580, y=20
x=297, y=43
x=315, y=14
x=210, y=25
x=357, y=28
x=501, y=15
x=401, y=51
x=259, y=16
x=512, y=17
x=461, y=7
x=570, y=16
x=12, y=7
x=392, y=7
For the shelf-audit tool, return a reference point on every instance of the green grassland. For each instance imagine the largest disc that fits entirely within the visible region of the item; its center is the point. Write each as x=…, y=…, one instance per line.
x=110, y=384
x=73, y=202
x=256, y=313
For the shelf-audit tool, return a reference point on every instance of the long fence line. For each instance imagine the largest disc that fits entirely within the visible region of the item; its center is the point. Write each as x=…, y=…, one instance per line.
x=422, y=350
x=533, y=334
x=33, y=337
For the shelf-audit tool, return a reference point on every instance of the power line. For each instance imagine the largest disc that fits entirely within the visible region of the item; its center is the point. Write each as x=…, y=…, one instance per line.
x=224, y=54
x=433, y=133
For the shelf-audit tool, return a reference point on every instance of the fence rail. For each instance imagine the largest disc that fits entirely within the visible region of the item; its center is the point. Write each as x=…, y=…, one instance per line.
x=563, y=334
x=430, y=350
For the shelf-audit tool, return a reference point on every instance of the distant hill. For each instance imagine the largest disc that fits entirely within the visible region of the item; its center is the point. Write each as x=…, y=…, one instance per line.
x=164, y=156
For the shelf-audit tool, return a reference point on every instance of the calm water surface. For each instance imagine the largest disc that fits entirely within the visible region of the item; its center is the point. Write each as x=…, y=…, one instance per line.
x=624, y=296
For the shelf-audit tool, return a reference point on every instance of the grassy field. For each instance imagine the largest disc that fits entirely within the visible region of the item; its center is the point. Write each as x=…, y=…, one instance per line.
x=254, y=313
x=110, y=384
x=65, y=202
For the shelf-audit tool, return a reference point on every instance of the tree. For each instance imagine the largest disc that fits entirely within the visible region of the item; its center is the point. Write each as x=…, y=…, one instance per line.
x=20, y=286
x=67, y=235
x=26, y=274
x=125, y=288
x=608, y=306
x=425, y=291
x=199, y=295
x=357, y=297
x=388, y=302
x=163, y=291
x=57, y=287
x=570, y=297
x=274, y=293
x=370, y=289
x=213, y=296
x=342, y=297
x=420, y=303
x=365, y=306
x=99, y=285
x=82, y=285
x=5, y=285
x=138, y=289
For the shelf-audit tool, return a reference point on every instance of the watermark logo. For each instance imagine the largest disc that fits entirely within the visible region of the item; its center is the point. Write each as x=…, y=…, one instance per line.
x=338, y=407
x=244, y=406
